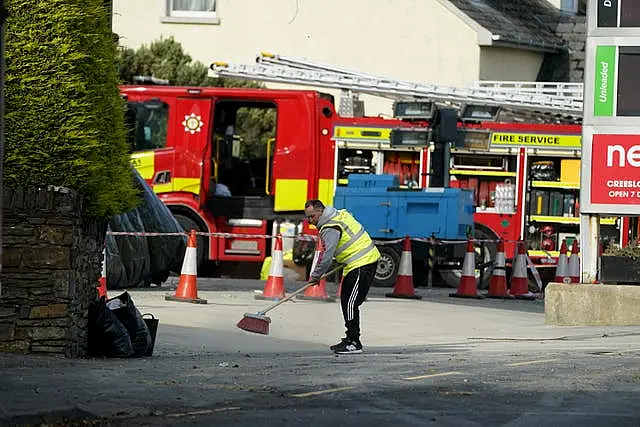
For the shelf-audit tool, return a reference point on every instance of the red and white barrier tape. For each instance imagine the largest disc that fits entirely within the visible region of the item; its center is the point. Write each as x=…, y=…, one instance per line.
x=200, y=233
x=258, y=236
x=143, y=234
x=535, y=273
x=303, y=237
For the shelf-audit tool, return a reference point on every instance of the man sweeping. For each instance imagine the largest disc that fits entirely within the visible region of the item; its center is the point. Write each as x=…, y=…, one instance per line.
x=345, y=239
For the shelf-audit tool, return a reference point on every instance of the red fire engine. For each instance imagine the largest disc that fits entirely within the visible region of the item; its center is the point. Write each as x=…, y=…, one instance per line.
x=186, y=145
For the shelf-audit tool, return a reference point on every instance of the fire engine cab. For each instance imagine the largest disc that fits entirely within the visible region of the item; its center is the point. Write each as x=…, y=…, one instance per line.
x=185, y=143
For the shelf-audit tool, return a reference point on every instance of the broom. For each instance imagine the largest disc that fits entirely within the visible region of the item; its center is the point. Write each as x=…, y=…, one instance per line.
x=259, y=323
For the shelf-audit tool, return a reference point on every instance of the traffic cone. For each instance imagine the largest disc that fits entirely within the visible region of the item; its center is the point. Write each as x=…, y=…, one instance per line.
x=468, y=288
x=187, y=290
x=339, y=290
x=102, y=287
x=519, y=286
x=318, y=292
x=562, y=275
x=498, y=282
x=403, y=288
x=574, y=263
x=274, y=288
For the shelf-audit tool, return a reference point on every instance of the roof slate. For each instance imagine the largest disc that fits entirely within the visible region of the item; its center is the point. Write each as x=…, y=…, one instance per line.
x=524, y=22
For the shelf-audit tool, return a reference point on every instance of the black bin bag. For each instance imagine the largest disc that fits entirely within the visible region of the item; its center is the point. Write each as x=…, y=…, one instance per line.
x=126, y=312
x=107, y=335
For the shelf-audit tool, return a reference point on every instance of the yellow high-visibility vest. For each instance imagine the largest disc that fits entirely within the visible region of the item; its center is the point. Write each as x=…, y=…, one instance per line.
x=355, y=247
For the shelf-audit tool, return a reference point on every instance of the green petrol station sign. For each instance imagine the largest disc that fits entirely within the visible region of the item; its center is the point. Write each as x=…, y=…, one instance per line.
x=603, y=94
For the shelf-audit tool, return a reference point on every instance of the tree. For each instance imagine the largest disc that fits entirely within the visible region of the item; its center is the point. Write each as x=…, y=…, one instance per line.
x=65, y=116
x=165, y=58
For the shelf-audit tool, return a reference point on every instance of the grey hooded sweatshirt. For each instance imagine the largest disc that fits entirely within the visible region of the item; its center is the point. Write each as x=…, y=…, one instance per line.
x=330, y=237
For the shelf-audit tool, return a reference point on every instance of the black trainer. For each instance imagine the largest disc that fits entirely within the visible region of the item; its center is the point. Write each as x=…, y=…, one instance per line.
x=348, y=347
x=342, y=341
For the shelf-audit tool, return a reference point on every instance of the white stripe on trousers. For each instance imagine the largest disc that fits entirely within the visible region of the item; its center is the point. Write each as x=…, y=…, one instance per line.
x=352, y=299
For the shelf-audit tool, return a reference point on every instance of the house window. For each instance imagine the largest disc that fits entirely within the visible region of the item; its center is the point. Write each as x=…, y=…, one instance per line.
x=573, y=6
x=192, y=8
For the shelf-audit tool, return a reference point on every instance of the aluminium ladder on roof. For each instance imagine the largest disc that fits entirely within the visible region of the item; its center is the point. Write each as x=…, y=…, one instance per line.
x=291, y=62
x=349, y=101
x=564, y=90
x=569, y=89
x=396, y=88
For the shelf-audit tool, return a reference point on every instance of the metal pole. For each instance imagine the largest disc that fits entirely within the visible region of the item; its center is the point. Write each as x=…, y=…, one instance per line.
x=589, y=247
x=431, y=264
x=446, y=179
x=3, y=18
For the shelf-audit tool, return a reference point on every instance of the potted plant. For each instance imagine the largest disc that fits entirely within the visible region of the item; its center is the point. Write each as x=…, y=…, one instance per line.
x=621, y=265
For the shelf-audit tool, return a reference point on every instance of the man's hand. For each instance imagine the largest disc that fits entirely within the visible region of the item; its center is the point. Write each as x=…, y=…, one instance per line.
x=313, y=282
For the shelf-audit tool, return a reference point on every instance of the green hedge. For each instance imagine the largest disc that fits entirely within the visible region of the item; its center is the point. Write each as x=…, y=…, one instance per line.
x=64, y=114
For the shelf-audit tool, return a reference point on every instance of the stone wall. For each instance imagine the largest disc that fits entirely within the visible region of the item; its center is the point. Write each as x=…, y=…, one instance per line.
x=51, y=265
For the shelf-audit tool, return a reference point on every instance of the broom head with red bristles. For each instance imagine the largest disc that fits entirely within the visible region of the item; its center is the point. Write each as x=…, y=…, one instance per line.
x=259, y=322
x=255, y=322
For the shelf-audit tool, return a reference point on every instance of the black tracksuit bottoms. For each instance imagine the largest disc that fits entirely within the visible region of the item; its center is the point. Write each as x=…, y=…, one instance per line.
x=355, y=287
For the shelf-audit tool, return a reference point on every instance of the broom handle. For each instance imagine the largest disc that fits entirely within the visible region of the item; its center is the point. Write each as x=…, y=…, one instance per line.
x=302, y=289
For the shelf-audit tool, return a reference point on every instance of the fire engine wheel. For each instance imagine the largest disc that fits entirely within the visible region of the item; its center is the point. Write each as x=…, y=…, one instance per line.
x=484, y=254
x=388, y=265
x=188, y=224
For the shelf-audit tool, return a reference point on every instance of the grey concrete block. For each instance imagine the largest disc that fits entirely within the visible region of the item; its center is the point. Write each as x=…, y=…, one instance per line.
x=591, y=305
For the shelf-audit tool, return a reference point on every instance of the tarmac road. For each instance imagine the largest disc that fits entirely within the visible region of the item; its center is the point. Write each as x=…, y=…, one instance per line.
x=440, y=388
x=416, y=387
x=439, y=361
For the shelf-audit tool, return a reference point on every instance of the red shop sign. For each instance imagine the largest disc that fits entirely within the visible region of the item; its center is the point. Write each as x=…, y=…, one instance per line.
x=615, y=169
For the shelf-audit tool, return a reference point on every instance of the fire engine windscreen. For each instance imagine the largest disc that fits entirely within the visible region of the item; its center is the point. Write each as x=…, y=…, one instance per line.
x=134, y=261
x=147, y=124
